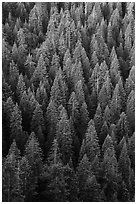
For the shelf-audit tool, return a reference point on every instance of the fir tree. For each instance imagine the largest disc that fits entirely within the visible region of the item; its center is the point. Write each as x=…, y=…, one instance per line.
x=11, y=178
x=114, y=68
x=107, y=115
x=30, y=66
x=79, y=92
x=52, y=118
x=105, y=92
x=90, y=144
x=73, y=107
x=34, y=155
x=130, y=109
x=54, y=175
x=103, y=133
x=40, y=73
x=55, y=65
x=124, y=164
x=64, y=138
x=115, y=106
x=130, y=81
x=122, y=127
x=21, y=87
x=131, y=150
x=83, y=171
x=14, y=75
x=98, y=119
x=16, y=126
x=37, y=119
x=59, y=89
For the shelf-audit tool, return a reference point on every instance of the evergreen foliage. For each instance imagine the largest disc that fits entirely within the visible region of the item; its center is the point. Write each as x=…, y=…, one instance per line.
x=68, y=101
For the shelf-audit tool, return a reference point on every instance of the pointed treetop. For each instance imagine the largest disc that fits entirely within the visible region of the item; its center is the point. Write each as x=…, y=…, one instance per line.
x=108, y=143
x=54, y=154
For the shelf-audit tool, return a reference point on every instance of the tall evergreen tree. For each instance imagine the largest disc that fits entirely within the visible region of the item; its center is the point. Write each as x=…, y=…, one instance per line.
x=64, y=138
x=115, y=106
x=34, y=155
x=14, y=75
x=90, y=144
x=131, y=150
x=122, y=127
x=59, y=89
x=11, y=179
x=21, y=87
x=105, y=92
x=124, y=164
x=130, y=109
x=52, y=118
x=40, y=73
x=98, y=119
x=54, y=175
x=73, y=107
x=37, y=119
x=30, y=65
x=16, y=126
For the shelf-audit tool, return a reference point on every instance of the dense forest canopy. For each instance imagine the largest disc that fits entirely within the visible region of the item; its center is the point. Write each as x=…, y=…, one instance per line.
x=68, y=101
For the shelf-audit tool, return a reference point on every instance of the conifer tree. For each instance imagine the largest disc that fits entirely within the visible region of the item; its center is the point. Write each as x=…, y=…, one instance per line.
x=11, y=180
x=14, y=75
x=122, y=93
x=124, y=164
x=90, y=144
x=122, y=127
x=92, y=191
x=59, y=89
x=40, y=73
x=105, y=92
x=96, y=166
x=76, y=72
x=67, y=70
x=25, y=107
x=132, y=184
x=79, y=92
x=52, y=117
x=94, y=79
x=107, y=115
x=84, y=116
x=114, y=68
x=27, y=187
x=6, y=89
x=30, y=65
x=9, y=107
x=55, y=65
x=64, y=138
x=130, y=109
x=54, y=175
x=73, y=107
x=42, y=96
x=94, y=60
x=110, y=168
x=22, y=48
x=131, y=150
x=115, y=106
x=98, y=119
x=130, y=81
x=16, y=126
x=83, y=171
x=103, y=133
x=37, y=119
x=34, y=155
x=21, y=87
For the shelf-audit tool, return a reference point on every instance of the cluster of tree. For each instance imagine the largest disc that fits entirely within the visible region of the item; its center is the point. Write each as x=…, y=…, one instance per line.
x=68, y=101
